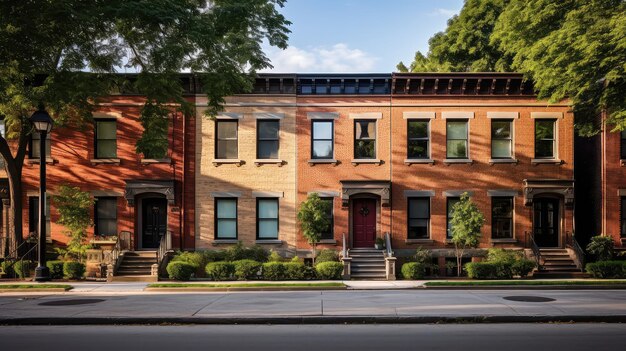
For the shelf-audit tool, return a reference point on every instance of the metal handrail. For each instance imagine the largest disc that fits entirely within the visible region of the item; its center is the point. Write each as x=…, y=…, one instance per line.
x=579, y=254
x=165, y=245
x=29, y=253
x=344, y=247
x=536, y=251
x=389, y=251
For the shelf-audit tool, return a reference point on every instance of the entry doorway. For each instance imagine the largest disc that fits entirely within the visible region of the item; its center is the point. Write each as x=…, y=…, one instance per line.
x=363, y=223
x=153, y=222
x=546, y=222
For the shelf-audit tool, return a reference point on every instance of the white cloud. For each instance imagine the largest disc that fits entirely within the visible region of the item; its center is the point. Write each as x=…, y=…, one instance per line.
x=336, y=58
x=444, y=12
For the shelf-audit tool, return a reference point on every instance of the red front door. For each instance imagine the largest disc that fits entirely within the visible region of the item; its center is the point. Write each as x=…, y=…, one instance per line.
x=364, y=222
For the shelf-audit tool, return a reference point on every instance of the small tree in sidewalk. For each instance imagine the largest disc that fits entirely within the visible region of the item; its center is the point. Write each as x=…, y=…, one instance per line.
x=313, y=219
x=466, y=223
x=74, y=206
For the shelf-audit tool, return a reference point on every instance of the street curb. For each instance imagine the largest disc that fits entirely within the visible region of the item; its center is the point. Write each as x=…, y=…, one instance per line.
x=310, y=320
x=39, y=290
x=303, y=288
x=527, y=287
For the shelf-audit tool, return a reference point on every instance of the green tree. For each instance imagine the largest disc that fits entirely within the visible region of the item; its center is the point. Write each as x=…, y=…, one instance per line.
x=74, y=206
x=466, y=223
x=64, y=53
x=313, y=219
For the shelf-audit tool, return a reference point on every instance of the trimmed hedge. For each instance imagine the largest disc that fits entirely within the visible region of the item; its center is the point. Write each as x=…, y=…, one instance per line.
x=295, y=270
x=327, y=255
x=489, y=270
x=180, y=270
x=7, y=268
x=607, y=269
x=196, y=258
x=246, y=269
x=22, y=268
x=73, y=270
x=413, y=270
x=329, y=270
x=274, y=271
x=220, y=270
x=523, y=267
x=56, y=269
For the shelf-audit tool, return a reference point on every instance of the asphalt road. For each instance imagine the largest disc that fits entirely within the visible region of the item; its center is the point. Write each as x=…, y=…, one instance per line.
x=466, y=337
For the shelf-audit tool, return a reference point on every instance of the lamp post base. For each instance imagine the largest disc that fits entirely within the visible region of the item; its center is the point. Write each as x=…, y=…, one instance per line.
x=42, y=274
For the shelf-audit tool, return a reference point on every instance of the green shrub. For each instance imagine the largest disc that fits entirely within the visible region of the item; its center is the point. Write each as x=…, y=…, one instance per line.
x=310, y=273
x=297, y=259
x=523, y=267
x=489, y=270
x=601, y=247
x=413, y=270
x=180, y=270
x=22, y=268
x=274, y=271
x=295, y=270
x=56, y=269
x=327, y=255
x=197, y=259
x=275, y=257
x=214, y=256
x=7, y=268
x=257, y=253
x=73, y=270
x=220, y=270
x=607, y=269
x=422, y=256
x=239, y=252
x=329, y=270
x=246, y=269
x=502, y=255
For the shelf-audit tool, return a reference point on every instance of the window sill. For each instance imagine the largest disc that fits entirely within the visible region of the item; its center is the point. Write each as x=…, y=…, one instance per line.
x=35, y=161
x=103, y=242
x=419, y=241
x=330, y=161
x=268, y=242
x=259, y=162
x=503, y=241
x=224, y=161
x=449, y=161
x=149, y=161
x=622, y=163
x=373, y=161
x=112, y=161
x=536, y=161
x=503, y=160
x=224, y=241
x=328, y=242
x=410, y=161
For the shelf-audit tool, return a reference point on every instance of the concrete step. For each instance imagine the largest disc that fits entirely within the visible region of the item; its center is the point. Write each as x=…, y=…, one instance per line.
x=351, y=251
x=140, y=253
x=132, y=272
x=135, y=266
x=559, y=258
x=135, y=278
x=368, y=276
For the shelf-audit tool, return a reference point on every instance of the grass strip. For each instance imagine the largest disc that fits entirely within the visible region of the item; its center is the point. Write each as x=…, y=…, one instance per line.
x=527, y=282
x=35, y=286
x=244, y=285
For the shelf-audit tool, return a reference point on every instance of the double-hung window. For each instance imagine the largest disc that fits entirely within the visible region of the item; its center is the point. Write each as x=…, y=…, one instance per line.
x=418, y=139
x=328, y=234
x=322, y=139
x=501, y=217
x=267, y=139
x=226, y=218
x=106, y=138
x=501, y=139
x=450, y=202
x=364, y=139
x=456, y=139
x=35, y=142
x=419, y=218
x=33, y=215
x=545, y=141
x=106, y=216
x=267, y=218
x=623, y=145
x=226, y=143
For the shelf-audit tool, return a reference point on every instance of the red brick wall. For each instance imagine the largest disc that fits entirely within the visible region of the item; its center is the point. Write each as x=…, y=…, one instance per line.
x=614, y=180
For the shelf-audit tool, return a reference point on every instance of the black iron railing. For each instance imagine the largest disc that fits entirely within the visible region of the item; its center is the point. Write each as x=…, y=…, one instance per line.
x=530, y=242
x=579, y=254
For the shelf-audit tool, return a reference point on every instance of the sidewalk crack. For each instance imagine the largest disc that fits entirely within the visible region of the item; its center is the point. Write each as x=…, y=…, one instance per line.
x=209, y=304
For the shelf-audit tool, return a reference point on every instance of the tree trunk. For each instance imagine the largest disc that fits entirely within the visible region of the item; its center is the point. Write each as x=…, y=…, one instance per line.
x=13, y=168
x=314, y=252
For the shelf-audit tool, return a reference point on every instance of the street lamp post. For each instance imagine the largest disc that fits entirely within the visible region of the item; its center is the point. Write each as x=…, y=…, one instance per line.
x=42, y=122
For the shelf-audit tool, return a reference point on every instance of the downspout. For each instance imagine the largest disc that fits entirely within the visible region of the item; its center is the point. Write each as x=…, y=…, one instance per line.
x=181, y=218
x=603, y=171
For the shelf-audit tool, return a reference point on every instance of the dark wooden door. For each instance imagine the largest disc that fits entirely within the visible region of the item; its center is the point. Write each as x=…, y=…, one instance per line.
x=364, y=222
x=546, y=222
x=154, y=222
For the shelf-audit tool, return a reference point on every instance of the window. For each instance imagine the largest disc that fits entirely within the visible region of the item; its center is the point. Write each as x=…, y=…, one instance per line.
x=33, y=215
x=623, y=145
x=35, y=140
x=419, y=218
x=450, y=202
x=267, y=218
x=623, y=217
x=322, y=139
x=3, y=133
x=456, y=139
x=329, y=233
x=226, y=143
x=418, y=139
x=226, y=218
x=502, y=217
x=544, y=138
x=106, y=139
x=106, y=216
x=267, y=139
x=501, y=139
x=364, y=139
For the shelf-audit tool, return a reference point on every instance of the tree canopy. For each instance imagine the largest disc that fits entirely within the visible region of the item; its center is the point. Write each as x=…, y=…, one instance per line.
x=466, y=224
x=572, y=49
x=313, y=219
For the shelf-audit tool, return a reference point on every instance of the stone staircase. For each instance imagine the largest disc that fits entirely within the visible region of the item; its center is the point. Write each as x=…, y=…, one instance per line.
x=558, y=263
x=367, y=264
x=136, y=266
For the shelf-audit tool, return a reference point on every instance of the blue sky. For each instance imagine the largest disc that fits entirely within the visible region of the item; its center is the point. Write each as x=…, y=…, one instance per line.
x=358, y=35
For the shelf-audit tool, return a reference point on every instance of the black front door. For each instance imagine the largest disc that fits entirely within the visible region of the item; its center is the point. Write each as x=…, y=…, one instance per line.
x=546, y=222
x=154, y=222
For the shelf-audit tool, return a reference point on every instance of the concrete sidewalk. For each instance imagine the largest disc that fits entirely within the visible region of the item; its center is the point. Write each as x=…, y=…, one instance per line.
x=104, y=305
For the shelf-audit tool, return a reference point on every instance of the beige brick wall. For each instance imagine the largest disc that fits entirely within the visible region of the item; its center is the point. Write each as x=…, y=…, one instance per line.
x=247, y=177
